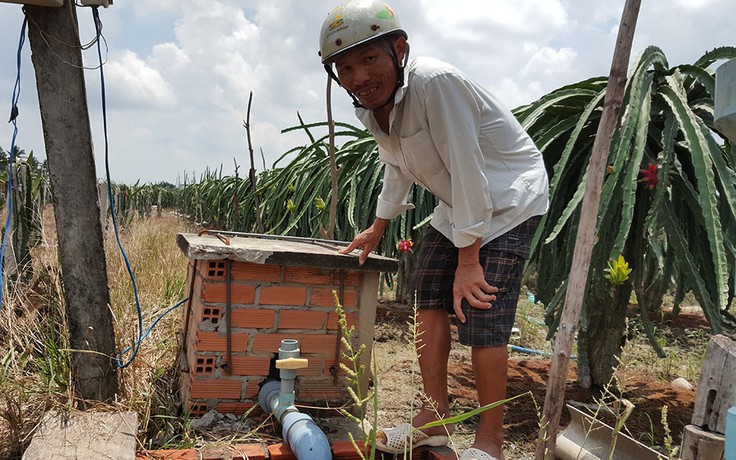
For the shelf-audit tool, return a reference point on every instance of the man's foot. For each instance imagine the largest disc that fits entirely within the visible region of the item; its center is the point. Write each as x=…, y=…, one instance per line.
x=426, y=416
x=477, y=454
x=404, y=438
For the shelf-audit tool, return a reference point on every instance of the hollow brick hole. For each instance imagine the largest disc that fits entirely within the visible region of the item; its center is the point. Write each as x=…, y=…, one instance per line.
x=198, y=409
x=216, y=269
x=205, y=365
x=213, y=314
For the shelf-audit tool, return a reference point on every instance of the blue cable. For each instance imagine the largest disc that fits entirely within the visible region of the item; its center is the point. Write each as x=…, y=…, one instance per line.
x=148, y=331
x=141, y=334
x=11, y=155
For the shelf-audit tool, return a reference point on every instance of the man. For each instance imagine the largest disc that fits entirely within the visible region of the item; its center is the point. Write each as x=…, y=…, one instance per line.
x=438, y=128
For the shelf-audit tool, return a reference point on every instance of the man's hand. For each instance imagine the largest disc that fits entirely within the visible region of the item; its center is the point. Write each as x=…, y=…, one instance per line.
x=470, y=282
x=367, y=240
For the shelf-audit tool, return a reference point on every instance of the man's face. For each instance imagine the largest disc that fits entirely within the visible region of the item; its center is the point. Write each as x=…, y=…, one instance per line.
x=369, y=72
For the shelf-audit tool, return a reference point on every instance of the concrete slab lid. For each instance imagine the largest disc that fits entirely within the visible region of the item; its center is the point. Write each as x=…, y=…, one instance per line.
x=100, y=435
x=278, y=250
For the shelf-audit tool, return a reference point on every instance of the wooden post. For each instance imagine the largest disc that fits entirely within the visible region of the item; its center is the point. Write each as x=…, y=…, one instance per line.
x=252, y=173
x=57, y=59
x=334, y=171
x=555, y=396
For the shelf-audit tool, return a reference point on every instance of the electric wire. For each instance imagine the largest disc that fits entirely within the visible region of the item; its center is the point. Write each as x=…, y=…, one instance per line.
x=141, y=335
x=11, y=155
x=45, y=36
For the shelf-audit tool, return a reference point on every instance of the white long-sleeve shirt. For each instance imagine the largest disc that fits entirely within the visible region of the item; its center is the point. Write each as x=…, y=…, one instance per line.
x=450, y=135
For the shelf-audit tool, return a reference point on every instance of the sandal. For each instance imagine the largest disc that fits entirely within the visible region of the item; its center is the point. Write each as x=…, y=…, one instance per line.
x=404, y=437
x=476, y=454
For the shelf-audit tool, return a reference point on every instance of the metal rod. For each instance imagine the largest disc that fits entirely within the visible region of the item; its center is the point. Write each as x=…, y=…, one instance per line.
x=341, y=297
x=228, y=308
x=185, y=364
x=301, y=239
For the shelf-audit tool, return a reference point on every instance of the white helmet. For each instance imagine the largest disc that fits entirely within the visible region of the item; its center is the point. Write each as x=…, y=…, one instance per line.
x=356, y=22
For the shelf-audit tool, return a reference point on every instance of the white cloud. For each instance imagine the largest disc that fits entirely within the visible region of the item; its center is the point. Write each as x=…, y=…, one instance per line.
x=180, y=72
x=548, y=63
x=131, y=82
x=170, y=58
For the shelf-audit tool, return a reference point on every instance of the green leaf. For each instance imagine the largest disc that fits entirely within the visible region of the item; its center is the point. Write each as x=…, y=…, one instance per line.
x=701, y=155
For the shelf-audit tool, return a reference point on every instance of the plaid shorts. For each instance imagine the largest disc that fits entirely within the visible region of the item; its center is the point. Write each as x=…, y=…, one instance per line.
x=503, y=261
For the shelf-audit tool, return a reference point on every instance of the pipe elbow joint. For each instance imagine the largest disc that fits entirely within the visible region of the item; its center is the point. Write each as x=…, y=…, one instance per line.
x=306, y=439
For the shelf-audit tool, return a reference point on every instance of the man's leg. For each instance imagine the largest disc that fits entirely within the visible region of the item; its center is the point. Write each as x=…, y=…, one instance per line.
x=433, y=348
x=490, y=366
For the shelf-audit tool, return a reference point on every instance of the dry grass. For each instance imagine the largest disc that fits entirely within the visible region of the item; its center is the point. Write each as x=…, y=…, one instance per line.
x=34, y=345
x=149, y=383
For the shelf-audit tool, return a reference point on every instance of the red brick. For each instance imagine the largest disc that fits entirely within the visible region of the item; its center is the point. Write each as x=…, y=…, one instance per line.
x=248, y=452
x=322, y=297
x=314, y=367
x=194, y=303
x=204, y=365
x=169, y=454
x=252, y=387
x=319, y=343
x=239, y=293
x=280, y=452
x=236, y=408
x=349, y=278
x=330, y=363
x=320, y=390
x=198, y=408
x=306, y=275
x=249, y=365
x=212, y=269
x=217, y=452
x=345, y=450
x=438, y=453
x=332, y=324
x=216, y=388
x=211, y=313
x=217, y=341
x=270, y=343
x=341, y=450
x=244, y=271
x=283, y=295
x=302, y=319
x=256, y=318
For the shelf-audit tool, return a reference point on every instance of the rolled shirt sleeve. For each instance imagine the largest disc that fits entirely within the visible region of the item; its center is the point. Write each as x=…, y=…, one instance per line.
x=392, y=199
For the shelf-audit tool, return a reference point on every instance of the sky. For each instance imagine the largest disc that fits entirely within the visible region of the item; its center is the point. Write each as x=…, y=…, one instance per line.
x=178, y=74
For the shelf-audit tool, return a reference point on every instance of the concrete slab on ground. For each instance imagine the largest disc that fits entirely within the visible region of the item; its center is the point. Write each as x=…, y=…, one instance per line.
x=98, y=435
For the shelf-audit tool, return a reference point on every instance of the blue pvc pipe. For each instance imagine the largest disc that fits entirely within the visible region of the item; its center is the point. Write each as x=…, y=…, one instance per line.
x=529, y=351
x=730, y=453
x=304, y=437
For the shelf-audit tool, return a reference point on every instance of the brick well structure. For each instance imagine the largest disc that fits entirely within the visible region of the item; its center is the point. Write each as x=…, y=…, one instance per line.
x=247, y=293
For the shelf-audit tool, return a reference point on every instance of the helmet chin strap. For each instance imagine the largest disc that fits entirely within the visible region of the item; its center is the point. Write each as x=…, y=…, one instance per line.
x=399, y=80
x=331, y=73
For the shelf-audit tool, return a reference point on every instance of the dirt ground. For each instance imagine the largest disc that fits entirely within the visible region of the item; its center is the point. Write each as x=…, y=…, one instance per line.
x=398, y=377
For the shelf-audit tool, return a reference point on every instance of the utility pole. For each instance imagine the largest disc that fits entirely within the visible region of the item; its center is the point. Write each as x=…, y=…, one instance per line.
x=57, y=59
